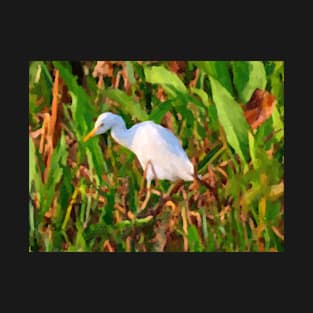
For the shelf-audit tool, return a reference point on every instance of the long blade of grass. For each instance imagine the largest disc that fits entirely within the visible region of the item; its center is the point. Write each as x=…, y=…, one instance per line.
x=232, y=119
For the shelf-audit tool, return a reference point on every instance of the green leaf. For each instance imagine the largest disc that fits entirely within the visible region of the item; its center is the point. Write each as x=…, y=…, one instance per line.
x=32, y=168
x=185, y=98
x=160, y=110
x=194, y=240
x=66, y=191
x=167, y=79
x=252, y=149
x=202, y=94
x=53, y=179
x=248, y=76
x=208, y=157
x=273, y=209
x=92, y=166
x=58, y=161
x=277, y=82
x=219, y=71
x=278, y=125
x=61, y=152
x=34, y=174
x=129, y=105
x=130, y=72
x=232, y=119
x=139, y=222
x=82, y=108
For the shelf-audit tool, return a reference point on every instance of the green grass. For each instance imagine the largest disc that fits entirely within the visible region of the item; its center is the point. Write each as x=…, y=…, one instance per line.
x=85, y=196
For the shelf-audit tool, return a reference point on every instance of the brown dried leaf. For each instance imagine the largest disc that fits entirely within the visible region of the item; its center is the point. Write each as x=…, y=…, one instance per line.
x=54, y=111
x=120, y=208
x=161, y=94
x=172, y=205
x=273, y=250
x=259, y=108
x=107, y=246
x=46, y=232
x=277, y=233
x=102, y=69
x=167, y=121
x=127, y=84
x=196, y=75
x=102, y=200
x=36, y=200
x=128, y=244
x=116, y=80
x=224, y=212
x=194, y=186
x=221, y=171
x=185, y=227
x=160, y=238
x=195, y=218
x=210, y=177
x=34, y=134
x=52, y=210
x=131, y=216
x=84, y=171
x=261, y=244
x=177, y=66
x=276, y=191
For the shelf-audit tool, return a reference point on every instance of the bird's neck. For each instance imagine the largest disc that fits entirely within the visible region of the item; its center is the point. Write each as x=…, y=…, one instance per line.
x=120, y=133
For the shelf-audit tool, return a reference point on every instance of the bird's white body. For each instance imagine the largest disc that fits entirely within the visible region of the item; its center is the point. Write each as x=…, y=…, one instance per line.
x=152, y=144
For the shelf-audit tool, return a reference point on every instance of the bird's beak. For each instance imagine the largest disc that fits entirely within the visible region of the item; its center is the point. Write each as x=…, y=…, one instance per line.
x=91, y=134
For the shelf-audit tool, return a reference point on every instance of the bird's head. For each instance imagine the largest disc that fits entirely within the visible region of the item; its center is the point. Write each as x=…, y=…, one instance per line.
x=104, y=122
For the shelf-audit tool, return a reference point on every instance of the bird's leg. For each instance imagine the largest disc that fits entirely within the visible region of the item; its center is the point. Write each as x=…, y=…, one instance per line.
x=144, y=177
x=143, y=181
x=149, y=189
x=156, y=192
x=148, y=194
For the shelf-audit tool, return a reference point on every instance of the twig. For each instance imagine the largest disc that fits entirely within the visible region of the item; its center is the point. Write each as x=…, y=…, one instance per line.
x=272, y=134
x=157, y=209
x=69, y=208
x=213, y=190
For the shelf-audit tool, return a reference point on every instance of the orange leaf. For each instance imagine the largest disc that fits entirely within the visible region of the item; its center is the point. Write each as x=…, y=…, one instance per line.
x=259, y=108
x=277, y=233
x=161, y=94
x=54, y=106
x=34, y=134
x=177, y=66
x=103, y=69
x=196, y=75
x=185, y=227
x=107, y=246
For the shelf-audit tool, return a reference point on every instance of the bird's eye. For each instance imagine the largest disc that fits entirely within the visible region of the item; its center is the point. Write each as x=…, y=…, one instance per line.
x=101, y=125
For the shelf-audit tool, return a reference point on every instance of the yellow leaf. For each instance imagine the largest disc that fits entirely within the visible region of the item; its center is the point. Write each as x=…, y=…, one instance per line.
x=276, y=191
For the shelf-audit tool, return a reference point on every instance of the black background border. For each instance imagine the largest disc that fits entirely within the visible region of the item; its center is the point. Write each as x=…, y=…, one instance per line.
x=169, y=35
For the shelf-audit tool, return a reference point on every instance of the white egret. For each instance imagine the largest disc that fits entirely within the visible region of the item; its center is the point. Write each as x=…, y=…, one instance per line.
x=156, y=147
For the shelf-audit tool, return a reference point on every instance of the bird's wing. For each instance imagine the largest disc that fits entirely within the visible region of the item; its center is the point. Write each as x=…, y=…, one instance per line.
x=153, y=138
x=159, y=145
